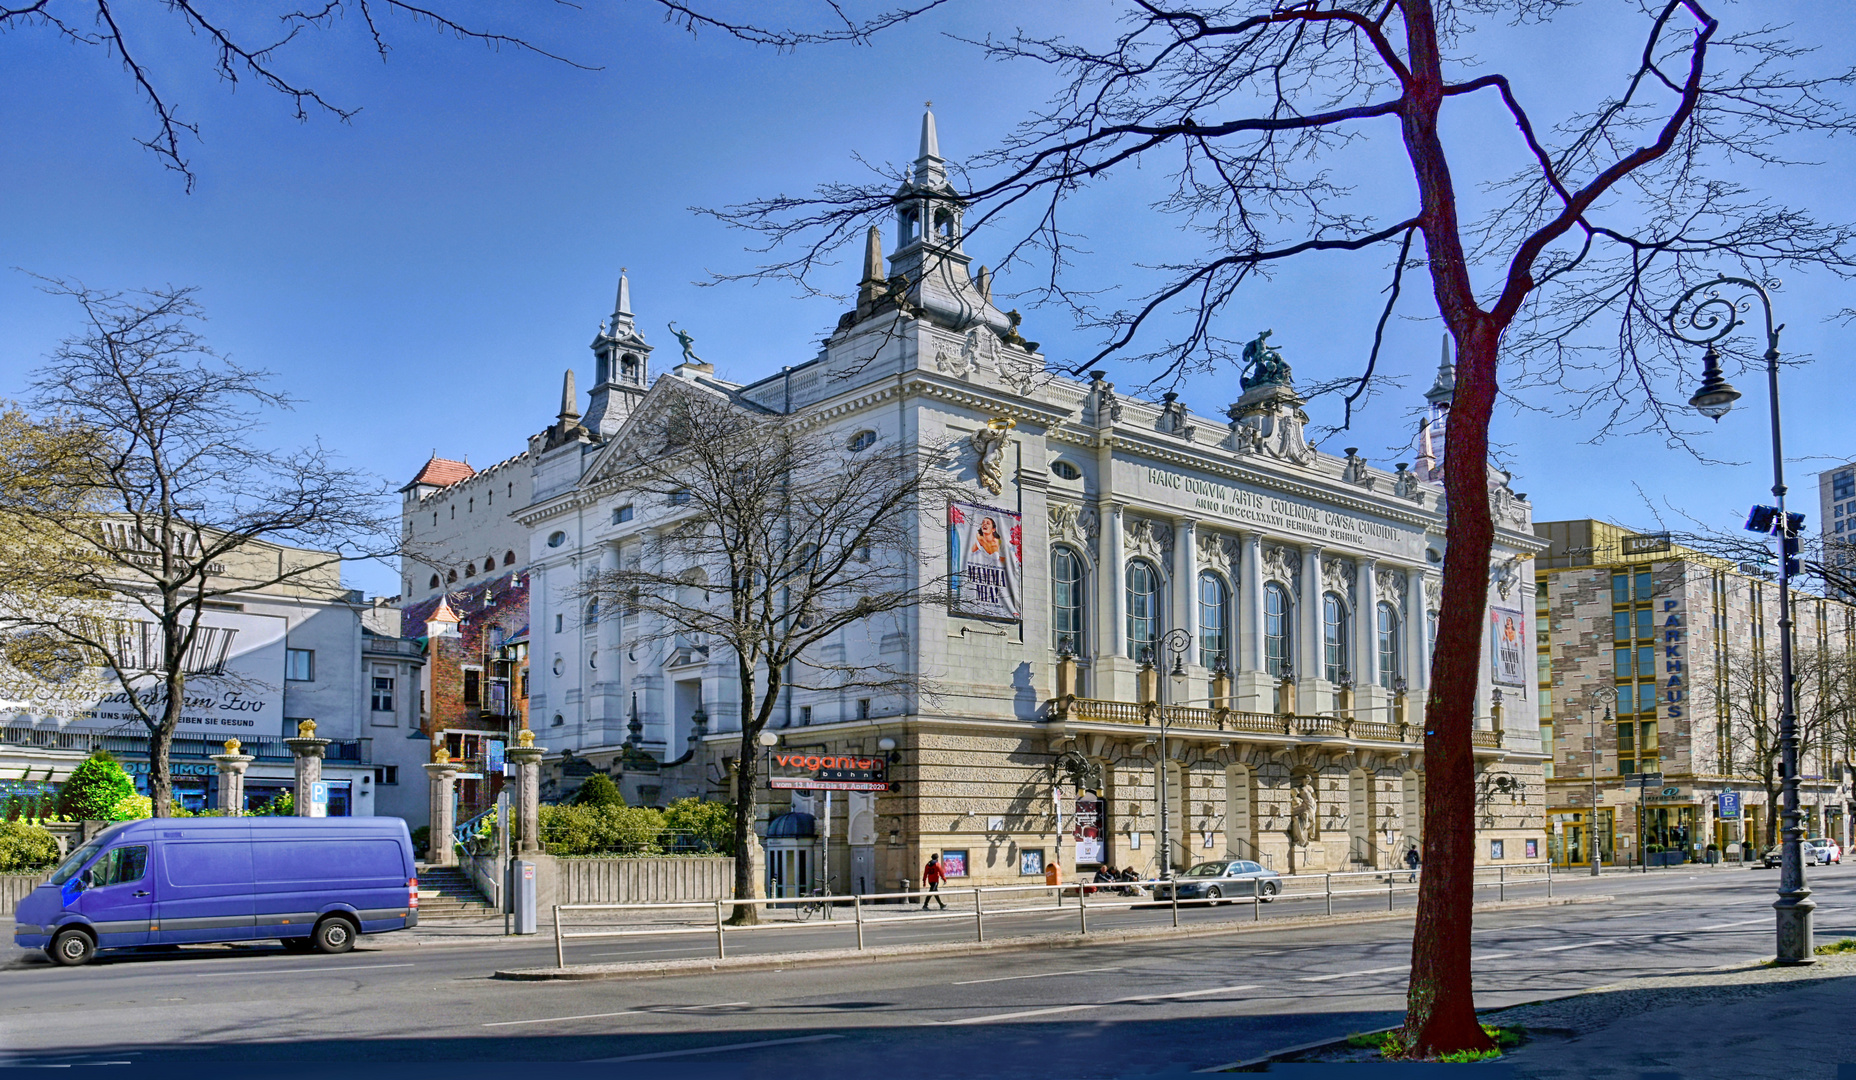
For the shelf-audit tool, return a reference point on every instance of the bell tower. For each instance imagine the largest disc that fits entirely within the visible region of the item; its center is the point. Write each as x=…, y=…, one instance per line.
x=621, y=368
x=928, y=211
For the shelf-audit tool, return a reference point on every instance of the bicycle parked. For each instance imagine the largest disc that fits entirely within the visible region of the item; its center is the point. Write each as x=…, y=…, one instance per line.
x=816, y=906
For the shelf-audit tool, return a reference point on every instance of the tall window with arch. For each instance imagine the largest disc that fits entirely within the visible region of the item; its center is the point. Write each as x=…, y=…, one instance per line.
x=1388, y=644
x=1333, y=637
x=1214, y=621
x=1278, y=621
x=1066, y=598
x=1143, y=607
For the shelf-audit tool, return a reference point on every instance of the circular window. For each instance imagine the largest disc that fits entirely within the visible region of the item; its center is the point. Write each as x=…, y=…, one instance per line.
x=560, y=666
x=557, y=538
x=592, y=660
x=863, y=440
x=1065, y=470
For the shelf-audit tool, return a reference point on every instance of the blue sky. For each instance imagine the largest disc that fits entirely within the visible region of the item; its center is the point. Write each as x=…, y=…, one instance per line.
x=420, y=277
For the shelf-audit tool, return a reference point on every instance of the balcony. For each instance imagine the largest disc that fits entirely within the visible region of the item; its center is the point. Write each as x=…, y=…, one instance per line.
x=1188, y=719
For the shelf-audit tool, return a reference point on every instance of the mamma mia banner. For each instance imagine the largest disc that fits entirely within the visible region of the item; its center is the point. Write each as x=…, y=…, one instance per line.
x=1508, y=651
x=986, y=554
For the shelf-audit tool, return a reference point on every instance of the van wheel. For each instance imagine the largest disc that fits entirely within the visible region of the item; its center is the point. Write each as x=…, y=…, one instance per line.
x=333, y=935
x=72, y=948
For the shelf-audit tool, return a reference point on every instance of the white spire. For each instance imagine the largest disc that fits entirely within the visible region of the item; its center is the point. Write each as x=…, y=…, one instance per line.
x=622, y=307
x=930, y=167
x=1444, y=389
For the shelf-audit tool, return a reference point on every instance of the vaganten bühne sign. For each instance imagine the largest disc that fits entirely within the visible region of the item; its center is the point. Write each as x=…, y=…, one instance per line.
x=829, y=772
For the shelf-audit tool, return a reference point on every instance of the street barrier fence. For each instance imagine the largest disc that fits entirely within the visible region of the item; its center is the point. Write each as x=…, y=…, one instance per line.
x=977, y=904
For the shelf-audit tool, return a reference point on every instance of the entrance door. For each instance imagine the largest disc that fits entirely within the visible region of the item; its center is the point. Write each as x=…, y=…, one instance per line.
x=863, y=869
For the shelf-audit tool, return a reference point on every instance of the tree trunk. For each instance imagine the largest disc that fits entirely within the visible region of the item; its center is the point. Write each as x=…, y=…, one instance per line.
x=747, y=865
x=1440, y=1006
x=161, y=742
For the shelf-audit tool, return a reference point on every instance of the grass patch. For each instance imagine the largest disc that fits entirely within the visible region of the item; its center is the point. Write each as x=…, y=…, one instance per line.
x=1391, y=1044
x=1386, y=1042
x=1835, y=947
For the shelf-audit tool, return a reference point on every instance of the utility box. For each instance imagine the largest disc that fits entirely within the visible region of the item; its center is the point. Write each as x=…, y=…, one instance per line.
x=522, y=895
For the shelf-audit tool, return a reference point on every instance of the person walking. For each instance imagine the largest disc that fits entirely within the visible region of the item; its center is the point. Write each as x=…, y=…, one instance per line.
x=1412, y=860
x=933, y=876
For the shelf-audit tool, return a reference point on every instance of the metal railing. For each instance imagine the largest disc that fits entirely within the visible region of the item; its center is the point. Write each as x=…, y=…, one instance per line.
x=1005, y=901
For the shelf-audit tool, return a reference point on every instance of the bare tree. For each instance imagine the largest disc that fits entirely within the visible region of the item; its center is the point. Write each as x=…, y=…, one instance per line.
x=1255, y=109
x=242, y=46
x=1743, y=697
x=778, y=537
x=179, y=508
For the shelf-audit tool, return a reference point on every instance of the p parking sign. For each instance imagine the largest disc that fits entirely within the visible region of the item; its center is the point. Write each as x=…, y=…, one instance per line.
x=1730, y=806
x=319, y=798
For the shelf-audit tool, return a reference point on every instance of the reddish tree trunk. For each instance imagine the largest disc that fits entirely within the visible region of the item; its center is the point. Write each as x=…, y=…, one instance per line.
x=1440, y=1006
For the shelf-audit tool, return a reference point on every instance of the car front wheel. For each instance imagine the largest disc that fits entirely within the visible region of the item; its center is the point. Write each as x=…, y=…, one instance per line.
x=1214, y=894
x=72, y=948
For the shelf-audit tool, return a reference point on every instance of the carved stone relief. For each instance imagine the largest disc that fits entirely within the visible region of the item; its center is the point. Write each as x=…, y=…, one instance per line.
x=1145, y=536
x=1405, y=485
x=1078, y=524
x=1391, y=585
x=1285, y=565
x=1218, y=550
x=1337, y=576
x=989, y=442
x=1355, y=470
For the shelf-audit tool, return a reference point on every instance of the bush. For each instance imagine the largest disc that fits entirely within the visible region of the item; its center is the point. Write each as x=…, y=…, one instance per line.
x=601, y=830
x=599, y=790
x=421, y=836
x=711, y=824
x=284, y=805
x=25, y=848
x=94, y=789
x=132, y=808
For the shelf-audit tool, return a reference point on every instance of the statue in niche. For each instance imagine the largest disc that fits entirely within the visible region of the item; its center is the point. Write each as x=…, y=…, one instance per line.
x=1304, y=815
x=989, y=442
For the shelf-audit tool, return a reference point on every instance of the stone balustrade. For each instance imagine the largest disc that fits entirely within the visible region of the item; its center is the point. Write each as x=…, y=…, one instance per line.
x=1188, y=718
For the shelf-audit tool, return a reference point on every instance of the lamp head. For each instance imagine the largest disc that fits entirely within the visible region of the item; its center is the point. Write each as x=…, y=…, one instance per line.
x=1716, y=395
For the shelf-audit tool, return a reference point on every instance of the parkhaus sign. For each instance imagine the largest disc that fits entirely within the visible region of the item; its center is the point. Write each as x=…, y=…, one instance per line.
x=829, y=772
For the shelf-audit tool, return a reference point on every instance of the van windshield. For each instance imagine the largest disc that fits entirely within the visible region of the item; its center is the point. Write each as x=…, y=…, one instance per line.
x=76, y=862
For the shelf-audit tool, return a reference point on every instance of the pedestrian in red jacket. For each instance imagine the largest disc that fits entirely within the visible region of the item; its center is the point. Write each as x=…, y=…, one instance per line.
x=933, y=875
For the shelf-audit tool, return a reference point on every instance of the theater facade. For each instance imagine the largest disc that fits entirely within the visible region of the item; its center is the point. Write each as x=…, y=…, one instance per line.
x=1154, y=606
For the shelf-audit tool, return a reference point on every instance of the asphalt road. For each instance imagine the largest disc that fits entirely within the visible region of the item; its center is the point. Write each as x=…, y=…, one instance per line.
x=1123, y=1009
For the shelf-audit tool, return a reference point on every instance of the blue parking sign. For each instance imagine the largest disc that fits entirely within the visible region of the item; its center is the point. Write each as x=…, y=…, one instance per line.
x=319, y=798
x=1730, y=806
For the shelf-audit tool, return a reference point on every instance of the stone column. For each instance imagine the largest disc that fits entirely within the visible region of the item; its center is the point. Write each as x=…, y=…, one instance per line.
x=1366, y=623
x=1417, y=630
x=444, y=776
x=1112, y=587
x=1185, y=573
x=308, y=750
x=232, y=779
x=1250, y=605
x=1309, y=661
x=525, y=800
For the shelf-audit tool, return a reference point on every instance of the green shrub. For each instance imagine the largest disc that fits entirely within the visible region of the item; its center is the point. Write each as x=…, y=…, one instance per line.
x=421, y=836
x=26, y=847
x=94, y=788
x=1835, y=947
x=601, y=830
x=132, y=808
x=711, y=824
x=599, y=790
x=284, y=805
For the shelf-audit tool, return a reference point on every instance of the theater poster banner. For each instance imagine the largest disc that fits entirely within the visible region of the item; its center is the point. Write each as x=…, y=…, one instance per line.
x=799, y=771
x=986, y=557
x=235, y=681
x=1089, y=828
x=1508, y=650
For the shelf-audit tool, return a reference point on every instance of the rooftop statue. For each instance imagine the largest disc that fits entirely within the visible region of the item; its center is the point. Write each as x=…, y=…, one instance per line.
x=689, y=345
x=1263, y=365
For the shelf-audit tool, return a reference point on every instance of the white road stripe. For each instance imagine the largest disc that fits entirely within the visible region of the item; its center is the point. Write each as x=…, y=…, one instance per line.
x=298, y=970
x=995, y=1018
x=1041, y=975
x=1489, y=956
x=1576, y=945
x=1351, y=974
x=1767, y=921
x=714, y=1049
x=563, y=1019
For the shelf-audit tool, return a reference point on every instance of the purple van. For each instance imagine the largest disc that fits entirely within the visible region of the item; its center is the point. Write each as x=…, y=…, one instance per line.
x=308, y=882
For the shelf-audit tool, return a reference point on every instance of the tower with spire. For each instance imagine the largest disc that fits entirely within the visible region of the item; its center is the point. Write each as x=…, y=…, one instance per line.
x=621, y=367
x=1431, y=434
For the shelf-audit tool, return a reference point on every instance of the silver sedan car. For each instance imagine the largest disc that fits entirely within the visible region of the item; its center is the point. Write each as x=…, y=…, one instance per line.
x=1225, y=879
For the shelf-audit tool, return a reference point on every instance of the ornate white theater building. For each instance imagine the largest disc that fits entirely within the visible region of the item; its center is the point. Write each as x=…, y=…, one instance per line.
x=1130, y=530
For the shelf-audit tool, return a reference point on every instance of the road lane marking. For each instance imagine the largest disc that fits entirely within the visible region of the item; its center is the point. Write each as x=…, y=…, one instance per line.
x=1730, y=925
x=563, y=1019
x=298, y=970
x=994, y=1018
x=713, y=1005
x=1490, y=956
x=1043, y=975
x=1575, y=945
x=1351, y=974
x=1505, y=929
x=714, y=1049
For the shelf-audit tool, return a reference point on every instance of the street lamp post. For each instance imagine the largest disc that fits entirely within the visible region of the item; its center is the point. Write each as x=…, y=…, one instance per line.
x=1704, y=320
x=1176, y=642
x=1605, y=695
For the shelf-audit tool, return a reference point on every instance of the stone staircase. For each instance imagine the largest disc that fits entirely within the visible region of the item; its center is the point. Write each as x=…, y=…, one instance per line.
x=445, y=892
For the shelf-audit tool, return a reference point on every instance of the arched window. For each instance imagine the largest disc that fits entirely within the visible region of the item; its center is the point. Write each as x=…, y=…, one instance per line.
x=1333, y=637
x=1143, y=608
x=509, y=558
x=489, y=563
x=1278, y=640
x=451, y=576
x=1214, y=621
x=435, y=582
x=1066, y=598
x=1388, y=644
x=470, y=570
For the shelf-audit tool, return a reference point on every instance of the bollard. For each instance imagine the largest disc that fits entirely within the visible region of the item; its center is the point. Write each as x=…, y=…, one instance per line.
x=1501, y=884
x=1549, y=881
x=1327, y=884
x=1175, y=887
x=1082, y=911
x=979, y=918
x=721, y=950
x=1256, y=900
x=857, y=910
x=1390, y=883
x=560, y=949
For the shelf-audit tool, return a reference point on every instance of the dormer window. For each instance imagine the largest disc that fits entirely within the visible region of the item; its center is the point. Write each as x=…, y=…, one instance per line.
x=862, y=441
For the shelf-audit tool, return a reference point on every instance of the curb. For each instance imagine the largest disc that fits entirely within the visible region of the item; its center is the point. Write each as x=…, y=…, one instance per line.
x=645, y=969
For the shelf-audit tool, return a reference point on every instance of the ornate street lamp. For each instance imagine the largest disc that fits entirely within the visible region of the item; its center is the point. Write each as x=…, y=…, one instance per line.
x=1175, y=641
x=1606, y=696
x=1704, y=320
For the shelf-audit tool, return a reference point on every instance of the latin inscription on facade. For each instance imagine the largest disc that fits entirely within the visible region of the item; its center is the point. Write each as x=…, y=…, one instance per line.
x=1278, y=514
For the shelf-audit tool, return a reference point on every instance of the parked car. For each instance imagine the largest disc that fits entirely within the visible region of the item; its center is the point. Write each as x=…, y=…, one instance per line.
x=1827, y=850
x=1775, y=854
x=1223, y=880
x=307, y=882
